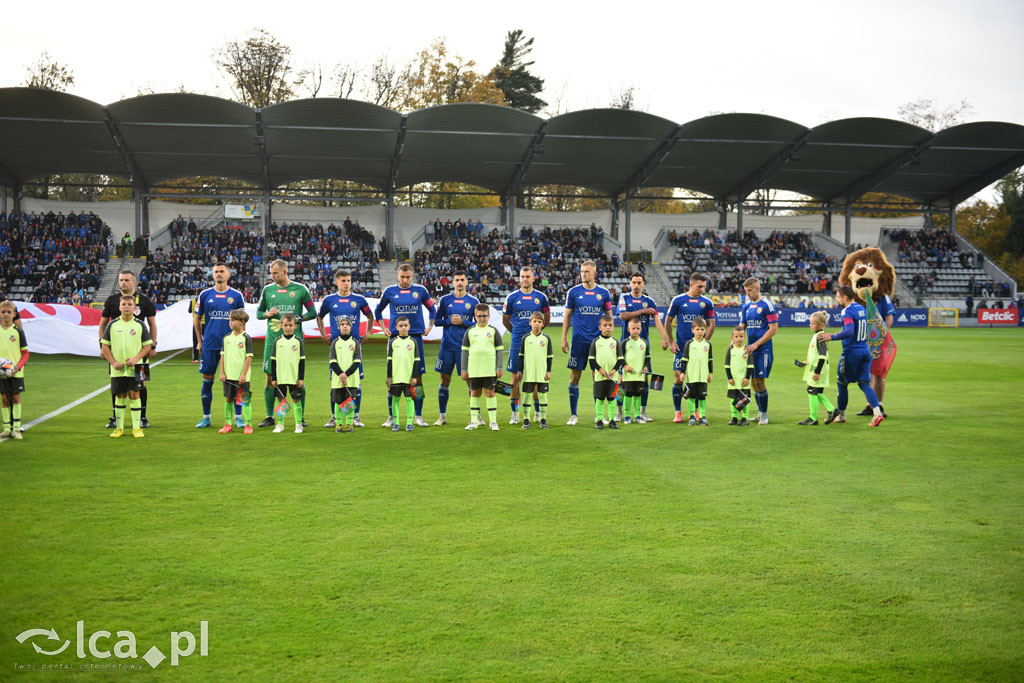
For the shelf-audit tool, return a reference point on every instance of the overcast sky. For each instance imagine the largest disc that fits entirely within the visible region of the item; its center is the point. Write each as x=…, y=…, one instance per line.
x=805, y=61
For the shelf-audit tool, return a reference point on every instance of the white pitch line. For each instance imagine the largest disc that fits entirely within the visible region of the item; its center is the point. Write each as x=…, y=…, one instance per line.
x=80, y=401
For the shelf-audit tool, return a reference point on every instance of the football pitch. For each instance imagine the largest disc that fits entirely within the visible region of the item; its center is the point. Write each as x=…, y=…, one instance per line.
x=657, y=551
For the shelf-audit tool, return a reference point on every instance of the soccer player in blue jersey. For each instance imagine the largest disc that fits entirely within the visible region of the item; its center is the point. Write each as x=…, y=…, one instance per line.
x=684, y=309
x=345, y=305
x=215, y=306
x=520, y=305
x=634, y=304
x=406, y=299
x=455, y=316
x=585, y=304
x=855, y=363
x=761, y=321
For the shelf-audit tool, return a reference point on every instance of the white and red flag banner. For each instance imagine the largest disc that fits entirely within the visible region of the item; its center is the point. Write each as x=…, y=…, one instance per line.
x=64, y=328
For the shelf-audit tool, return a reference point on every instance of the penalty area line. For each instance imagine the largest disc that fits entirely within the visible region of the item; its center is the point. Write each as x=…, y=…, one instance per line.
x=79, y=401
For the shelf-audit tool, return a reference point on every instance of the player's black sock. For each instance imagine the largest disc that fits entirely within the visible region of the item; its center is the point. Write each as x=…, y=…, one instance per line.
x=144, y=397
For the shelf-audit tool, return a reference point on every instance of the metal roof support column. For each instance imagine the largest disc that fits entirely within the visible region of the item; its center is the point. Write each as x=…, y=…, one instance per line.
x=828, y=221
x=137, y=198
x=615, y=216
x=512, y=214
x=627, y=246
x=952, y=218
x=145, y=218
x=19, y=192
x=722, y=224
x=3, y=199
x=389, y=222
x=739, y=220
x=267, y=216
x=846, y=238
x=503, y=203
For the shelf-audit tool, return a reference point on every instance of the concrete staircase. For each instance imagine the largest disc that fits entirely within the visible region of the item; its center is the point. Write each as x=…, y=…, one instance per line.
x=659, y=285
x=388, y=271
x=108, y=281
x=901, y=291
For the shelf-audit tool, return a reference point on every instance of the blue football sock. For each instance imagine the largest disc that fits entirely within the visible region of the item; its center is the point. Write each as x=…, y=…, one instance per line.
x=419, y=407
x=762, y=402
x=206, y=394
x=869, y=393
x=677, y=397
x=843, y=397
x=442, y=398
x=514, y=402
x=643, y=398
x=359, y=399
x=390, y=408
x=574, y=397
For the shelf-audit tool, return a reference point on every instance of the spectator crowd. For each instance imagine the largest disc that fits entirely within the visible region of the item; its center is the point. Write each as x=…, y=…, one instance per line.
x=492, y=261
x=786, y=262
x=182, y=268
x=52, y=257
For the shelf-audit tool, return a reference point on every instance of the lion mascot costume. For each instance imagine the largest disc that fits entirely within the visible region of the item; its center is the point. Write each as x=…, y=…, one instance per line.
x=873, y=278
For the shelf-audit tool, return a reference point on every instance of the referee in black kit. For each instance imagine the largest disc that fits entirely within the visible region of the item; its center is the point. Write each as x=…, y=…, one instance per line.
x=145, y=313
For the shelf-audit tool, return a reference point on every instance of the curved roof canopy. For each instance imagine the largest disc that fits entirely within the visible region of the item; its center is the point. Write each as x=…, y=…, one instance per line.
x=154, y=138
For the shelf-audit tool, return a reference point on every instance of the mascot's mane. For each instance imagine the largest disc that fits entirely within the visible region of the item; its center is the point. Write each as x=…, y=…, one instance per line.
x=885, y=274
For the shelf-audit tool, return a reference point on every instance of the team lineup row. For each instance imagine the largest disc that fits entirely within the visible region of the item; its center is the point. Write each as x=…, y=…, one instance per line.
x=284, y=304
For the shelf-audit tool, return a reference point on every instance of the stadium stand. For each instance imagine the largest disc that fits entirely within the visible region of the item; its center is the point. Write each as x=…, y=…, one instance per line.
x=492, y=263
x=785, y=262
x=932, y=265
x=52, y=257
x=313, y=252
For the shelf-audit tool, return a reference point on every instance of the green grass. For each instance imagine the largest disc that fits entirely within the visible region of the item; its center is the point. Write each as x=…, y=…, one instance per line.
x=658, y=551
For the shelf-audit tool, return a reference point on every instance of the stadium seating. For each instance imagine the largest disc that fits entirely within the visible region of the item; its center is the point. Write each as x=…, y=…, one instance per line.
x=492, y=263
x=313, y=252
x=785, y=262
x=52, y=258
x=931, y=264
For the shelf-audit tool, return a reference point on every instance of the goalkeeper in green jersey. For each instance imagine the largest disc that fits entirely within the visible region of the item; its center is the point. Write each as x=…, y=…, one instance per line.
x=278, y=298
x=636, y=358
x=605, y=359
x=481, y=366
x=235, y=368
x=816, y=372
x=536, y=355
x=403, y=372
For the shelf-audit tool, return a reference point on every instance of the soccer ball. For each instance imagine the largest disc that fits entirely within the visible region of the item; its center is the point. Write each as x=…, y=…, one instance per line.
x=7, y=367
